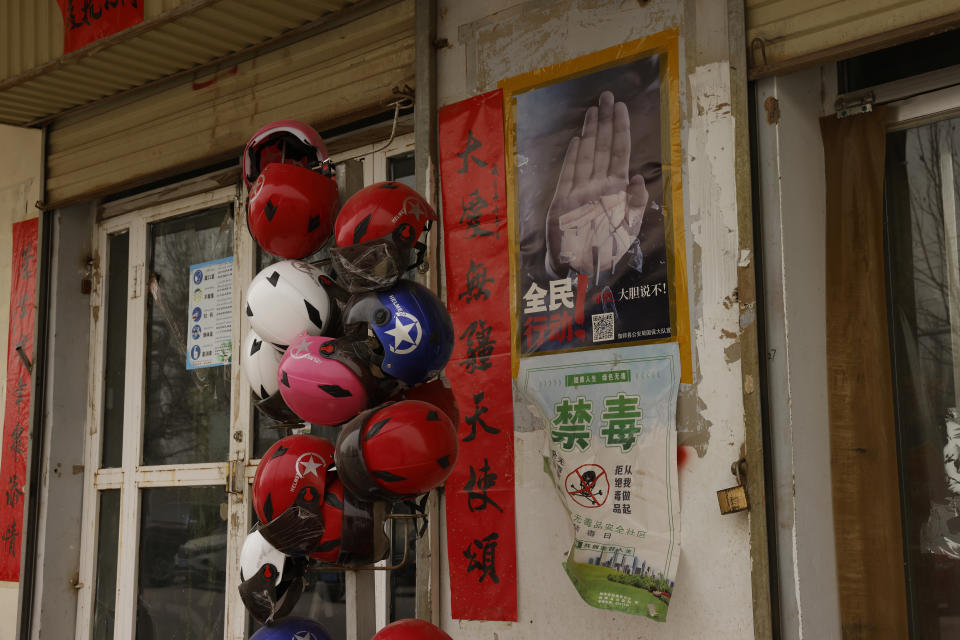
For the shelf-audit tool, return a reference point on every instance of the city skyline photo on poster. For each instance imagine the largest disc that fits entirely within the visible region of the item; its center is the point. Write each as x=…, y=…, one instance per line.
x=597, y=222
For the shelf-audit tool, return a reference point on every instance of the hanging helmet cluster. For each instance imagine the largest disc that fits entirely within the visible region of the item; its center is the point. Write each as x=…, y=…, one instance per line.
x=360, y=347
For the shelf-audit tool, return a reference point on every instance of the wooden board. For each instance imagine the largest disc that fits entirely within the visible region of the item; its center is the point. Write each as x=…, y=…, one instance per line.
x=866, y=493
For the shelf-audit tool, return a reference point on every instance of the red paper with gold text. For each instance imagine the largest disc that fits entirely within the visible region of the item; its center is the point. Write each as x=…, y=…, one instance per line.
x=16, y=416
x=85, y=21
x=480, y=503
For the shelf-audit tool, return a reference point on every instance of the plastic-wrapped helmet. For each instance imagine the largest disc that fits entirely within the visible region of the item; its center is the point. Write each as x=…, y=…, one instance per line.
x=411, y=324
x=292, y=629
x=260, y=362
x=398, y=450
x=411, y=629
x=287, y=299
x=290, y=211
x=377, y=235
x=270, y=581
x=284, y=141
x=319, y=389
x=288, y=491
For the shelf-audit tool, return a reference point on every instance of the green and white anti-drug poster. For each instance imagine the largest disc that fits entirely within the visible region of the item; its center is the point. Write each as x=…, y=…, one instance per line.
x=611, y=449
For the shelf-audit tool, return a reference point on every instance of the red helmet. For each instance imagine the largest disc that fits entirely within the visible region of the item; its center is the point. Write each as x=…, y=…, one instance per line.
x=437, y=392
x=328, y=547
x=291, y=209
x=286, y=141
x=397, y=450
x=351, y=526
x=288, y=491
x=377, y=233
x=411, y=629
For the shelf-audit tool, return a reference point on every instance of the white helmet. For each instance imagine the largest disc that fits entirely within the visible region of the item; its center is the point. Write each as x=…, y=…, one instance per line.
x=256, y=555
x=287, y=299
x=260, y=362
x=270, y=582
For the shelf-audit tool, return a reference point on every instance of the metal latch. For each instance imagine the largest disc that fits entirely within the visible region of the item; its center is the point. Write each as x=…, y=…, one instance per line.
x=851, y=104
x=236, y=476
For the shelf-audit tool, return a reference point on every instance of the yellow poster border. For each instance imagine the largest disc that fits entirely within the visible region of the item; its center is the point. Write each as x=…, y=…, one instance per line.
x=665, y=43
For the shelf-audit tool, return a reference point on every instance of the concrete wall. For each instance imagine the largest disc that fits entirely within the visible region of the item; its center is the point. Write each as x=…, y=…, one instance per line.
x=20, y=172
x=489, y=41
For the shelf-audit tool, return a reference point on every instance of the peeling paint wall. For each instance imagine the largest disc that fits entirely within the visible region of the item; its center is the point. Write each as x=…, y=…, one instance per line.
x=19, y=191
x=483, y=43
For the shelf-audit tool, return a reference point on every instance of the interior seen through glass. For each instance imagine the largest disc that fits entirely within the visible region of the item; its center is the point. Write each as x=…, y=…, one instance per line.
x=921, y=200
x=187, y=412
x=183, y=560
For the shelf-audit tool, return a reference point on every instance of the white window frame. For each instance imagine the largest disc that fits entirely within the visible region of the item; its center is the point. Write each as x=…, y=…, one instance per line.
x=361, y=587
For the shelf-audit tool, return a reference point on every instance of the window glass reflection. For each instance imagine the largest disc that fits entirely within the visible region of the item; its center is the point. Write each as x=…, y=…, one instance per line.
x=921, y=202
x=187, y=411
x=183, y=560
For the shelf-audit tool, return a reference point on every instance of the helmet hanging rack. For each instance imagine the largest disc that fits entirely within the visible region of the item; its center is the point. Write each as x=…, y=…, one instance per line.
x=406, y=518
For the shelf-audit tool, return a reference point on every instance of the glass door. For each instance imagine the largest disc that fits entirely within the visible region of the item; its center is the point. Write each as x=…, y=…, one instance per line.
x=161, y=519
x=923, y=274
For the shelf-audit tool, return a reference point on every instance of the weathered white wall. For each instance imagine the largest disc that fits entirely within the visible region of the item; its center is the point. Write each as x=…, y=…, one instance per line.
x=490, y=41
x=792, y=187
x=20, y=171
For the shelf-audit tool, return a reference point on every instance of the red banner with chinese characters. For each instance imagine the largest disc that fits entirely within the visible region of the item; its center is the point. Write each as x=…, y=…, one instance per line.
x=85, y=21
x=481, y=534
x=16, y=415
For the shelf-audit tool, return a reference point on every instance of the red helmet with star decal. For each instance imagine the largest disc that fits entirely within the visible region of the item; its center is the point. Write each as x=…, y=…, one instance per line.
x=411, y=629
x=377, y=234
x=288, y=491
x=291, y=209
x=396, y=451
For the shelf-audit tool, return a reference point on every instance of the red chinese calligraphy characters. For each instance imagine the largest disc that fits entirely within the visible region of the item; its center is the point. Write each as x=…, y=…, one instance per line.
x=16, y=416
x=480, y=499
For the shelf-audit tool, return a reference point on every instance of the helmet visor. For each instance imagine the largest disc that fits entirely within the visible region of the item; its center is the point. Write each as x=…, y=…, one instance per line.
x=378, y=264
x=275, y=408
x=267, y=603
x=351, y=468
x=298, y=529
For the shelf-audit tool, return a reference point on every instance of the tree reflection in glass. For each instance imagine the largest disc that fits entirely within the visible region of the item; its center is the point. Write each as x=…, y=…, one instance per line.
x=187, y=412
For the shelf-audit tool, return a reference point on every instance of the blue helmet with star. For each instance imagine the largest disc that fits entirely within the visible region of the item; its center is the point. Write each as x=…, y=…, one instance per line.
x=292, y=629
x=412, y=326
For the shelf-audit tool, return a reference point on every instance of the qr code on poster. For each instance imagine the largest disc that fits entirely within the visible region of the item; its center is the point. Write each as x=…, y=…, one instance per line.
x=602, y=326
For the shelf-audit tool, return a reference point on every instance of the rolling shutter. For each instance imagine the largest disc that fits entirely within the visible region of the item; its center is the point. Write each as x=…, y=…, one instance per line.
x=329, y=79
x=786, y=35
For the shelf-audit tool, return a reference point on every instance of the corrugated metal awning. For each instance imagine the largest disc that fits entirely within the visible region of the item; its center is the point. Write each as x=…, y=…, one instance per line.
x=183, y=38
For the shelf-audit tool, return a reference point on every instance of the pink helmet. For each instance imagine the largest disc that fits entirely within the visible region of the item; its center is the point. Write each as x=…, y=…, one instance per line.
x=319, y=389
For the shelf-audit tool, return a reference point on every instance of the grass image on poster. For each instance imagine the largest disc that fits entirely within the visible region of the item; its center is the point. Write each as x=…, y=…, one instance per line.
x=596, y=224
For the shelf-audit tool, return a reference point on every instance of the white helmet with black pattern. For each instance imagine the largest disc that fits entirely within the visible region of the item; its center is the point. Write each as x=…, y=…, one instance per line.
x=286, y=299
